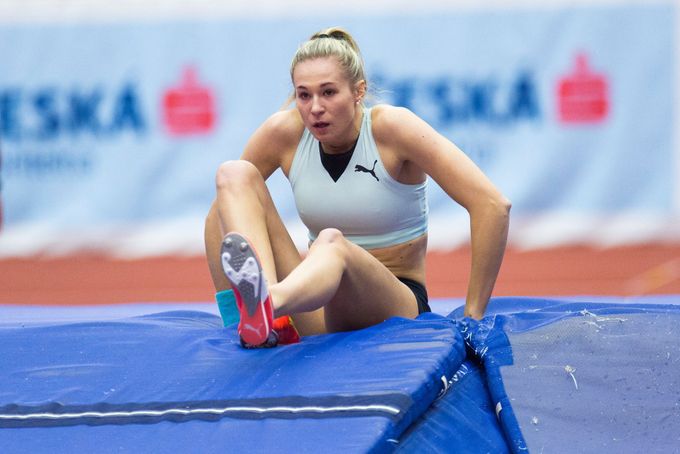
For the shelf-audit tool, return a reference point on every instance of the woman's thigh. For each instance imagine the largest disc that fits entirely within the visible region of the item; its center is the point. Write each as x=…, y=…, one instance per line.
x=285, y=254
x=368, y=294
x=244, y=204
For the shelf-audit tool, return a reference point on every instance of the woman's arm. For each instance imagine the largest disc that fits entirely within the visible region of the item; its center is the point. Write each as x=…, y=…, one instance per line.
x=417, y=144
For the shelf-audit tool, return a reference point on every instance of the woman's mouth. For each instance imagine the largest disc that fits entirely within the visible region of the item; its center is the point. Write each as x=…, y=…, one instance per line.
x=320, y=125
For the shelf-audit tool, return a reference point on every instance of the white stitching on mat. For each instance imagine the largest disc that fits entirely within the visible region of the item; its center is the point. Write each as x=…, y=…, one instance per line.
x=213, y=411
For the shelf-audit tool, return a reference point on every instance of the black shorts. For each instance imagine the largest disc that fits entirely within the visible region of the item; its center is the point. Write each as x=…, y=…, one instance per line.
x=420, y=293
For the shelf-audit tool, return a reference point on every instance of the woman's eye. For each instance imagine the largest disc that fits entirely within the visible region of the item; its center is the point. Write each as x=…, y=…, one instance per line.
x=329, y=92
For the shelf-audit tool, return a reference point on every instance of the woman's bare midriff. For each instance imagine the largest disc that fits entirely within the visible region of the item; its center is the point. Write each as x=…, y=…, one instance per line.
x=404, y=259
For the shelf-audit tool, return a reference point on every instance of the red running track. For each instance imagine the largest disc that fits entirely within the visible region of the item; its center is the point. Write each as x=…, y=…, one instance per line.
x=87, y=279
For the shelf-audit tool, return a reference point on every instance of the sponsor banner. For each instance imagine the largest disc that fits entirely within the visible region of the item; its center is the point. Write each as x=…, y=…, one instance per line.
x=109, y=133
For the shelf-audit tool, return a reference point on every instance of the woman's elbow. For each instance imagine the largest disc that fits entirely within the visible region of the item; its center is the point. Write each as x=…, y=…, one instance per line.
x=491, y=206
x=504, y=205
x=496, y=208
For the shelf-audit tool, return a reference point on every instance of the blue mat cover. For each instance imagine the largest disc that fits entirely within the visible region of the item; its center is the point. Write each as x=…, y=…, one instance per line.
x=579, y=376
x=535, y=375
x=178, y=379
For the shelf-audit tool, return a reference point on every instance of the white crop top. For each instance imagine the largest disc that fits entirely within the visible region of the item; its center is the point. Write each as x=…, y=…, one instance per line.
x=366, y=204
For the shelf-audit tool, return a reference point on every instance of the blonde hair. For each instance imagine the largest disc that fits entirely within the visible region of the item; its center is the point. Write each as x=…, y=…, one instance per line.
x=333, y=42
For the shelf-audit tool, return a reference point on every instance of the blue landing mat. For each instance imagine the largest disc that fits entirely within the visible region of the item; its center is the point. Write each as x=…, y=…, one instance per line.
x=579, y=376
x=178, y=379
x=536, y=375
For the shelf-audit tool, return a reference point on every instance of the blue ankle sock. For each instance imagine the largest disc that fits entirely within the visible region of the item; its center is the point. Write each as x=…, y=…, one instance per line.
x=226, y=302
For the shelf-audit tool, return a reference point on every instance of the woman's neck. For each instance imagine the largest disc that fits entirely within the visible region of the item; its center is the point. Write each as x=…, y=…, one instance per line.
x=347, y=144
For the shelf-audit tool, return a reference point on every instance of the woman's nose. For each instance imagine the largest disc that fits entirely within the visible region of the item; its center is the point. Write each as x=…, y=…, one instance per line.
x=317, y=106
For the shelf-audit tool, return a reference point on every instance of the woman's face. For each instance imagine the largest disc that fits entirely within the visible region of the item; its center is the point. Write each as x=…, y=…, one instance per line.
x=326, y=101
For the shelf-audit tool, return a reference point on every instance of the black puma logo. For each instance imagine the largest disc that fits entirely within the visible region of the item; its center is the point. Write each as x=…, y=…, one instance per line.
x=360, y=168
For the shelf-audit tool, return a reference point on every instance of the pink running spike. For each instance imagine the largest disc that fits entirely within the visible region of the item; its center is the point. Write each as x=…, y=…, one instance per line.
x=242, y=267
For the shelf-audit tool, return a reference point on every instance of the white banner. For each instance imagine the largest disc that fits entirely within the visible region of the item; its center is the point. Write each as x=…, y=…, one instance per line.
x=111, y=133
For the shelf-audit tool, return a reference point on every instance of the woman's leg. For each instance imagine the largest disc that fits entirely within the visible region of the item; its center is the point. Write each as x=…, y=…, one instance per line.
x=352, y=286
x=243, y=204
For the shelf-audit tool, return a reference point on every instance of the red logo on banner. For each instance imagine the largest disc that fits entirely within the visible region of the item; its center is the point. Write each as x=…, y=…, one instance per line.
x=583, y=96
x=189, y=108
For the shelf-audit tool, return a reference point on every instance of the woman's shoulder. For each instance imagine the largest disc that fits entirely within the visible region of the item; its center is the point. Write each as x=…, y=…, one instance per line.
x=390, y=122
x=384, y=112
x=284, y=126
x=275, y=141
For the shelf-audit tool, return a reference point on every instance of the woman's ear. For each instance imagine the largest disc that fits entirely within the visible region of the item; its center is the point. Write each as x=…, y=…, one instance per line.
x=360, y=91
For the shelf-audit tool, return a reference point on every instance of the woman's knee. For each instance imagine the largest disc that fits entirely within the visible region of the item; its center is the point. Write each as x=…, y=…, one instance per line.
x=236, y=174
x=333, y=238
x=330, y=235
